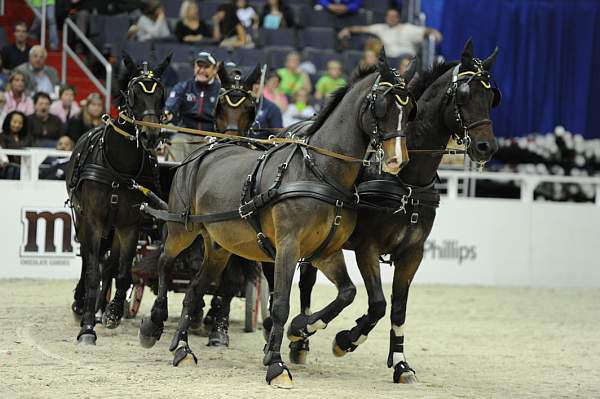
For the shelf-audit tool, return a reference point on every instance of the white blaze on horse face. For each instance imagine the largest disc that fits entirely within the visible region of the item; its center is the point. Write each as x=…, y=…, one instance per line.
x=398, y=144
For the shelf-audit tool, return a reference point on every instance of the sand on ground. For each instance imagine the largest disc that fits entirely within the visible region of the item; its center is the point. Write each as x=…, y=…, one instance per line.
x=464, y=342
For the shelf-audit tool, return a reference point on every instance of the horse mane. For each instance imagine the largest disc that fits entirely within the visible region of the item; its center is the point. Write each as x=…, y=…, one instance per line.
x=336, y=97
x=421, y=83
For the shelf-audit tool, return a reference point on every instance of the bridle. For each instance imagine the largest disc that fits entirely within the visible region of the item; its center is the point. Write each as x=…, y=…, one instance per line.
x=377, y=106
x=235, y=96
x=459, y=92
x=149, y=83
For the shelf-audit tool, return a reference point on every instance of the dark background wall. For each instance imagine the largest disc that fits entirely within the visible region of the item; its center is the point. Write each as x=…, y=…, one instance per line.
x=549, y=63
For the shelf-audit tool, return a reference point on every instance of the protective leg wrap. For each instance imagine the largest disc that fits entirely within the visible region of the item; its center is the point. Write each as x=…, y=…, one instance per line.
x=219, y=335
x=298, y=329
x=160, y=311
x=87, y=335
x=77, y=307
x=396, y=346
x=180, y=335
x=344, y=341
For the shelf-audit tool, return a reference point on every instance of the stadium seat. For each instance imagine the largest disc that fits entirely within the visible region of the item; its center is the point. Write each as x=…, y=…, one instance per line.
x=137, y=50
x=351, y=59
x=313, y=17
x=276, y=55
x=317, y=37
x=172, y=8
x=277, y=37
x=208, y=8
x=248, y=56
x=184, y=70
x=319, y=57
x=3, y=38
x=110, y=30
x=299, y=11
x=361, y=18
x=375, y=5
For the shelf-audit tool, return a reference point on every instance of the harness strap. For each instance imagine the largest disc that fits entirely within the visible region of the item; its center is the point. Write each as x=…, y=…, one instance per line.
x=337, y=220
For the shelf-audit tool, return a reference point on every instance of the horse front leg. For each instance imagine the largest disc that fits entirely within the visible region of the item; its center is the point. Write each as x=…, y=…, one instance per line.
x=127, y=244
x=367, y=258
x=215, y=260
x=334, y=268
x=405, y=267
x=151, y=328
x=90, y=250
x=278, y=374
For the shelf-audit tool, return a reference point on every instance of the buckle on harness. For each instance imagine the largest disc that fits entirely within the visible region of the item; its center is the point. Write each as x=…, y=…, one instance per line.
x=114, y=199
x=338, y=217
x=241, y=211
x=414, y=218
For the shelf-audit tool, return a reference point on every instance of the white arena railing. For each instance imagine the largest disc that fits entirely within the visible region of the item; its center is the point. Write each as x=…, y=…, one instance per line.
x=475, y=241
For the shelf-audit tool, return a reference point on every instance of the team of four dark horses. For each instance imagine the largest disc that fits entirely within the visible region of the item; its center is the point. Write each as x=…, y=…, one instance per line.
x=302, y=201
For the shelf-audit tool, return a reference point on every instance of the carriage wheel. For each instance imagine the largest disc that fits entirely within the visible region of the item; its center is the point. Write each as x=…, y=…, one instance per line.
x=134, y=301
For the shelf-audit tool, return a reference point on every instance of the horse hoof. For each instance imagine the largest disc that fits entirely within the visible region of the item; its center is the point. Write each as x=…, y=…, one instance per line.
x=86, y=339
x=109, y=322
x=149, y=333
x=184, y=357
x=337, y=351
x=403, y=374
x=408, y=378
x=297, y=330
x=218, y=341
x=279, y=376
x=299, y=351
x=298, y=357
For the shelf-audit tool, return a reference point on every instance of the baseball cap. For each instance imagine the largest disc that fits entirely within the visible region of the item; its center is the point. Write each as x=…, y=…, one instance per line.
x=206, y=57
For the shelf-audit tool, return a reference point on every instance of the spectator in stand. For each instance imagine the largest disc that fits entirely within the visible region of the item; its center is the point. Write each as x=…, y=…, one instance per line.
x=369, y=58
x=40, y=77
x=398, y=39
x=247, y=15
x=276, y=14
x=51, y=17
x=190, y=28
x=228, y=29
x=271, y=92
x=292, y=78
x=331, y=81
x=152, y=24
x=340, y=7
x=65, y=107
x=17, y=53
x=299, y=110
x=15, y=97
x=14, y=136
x=268, y=115
x=191, y=103
x=44, y=128
x=89, y=117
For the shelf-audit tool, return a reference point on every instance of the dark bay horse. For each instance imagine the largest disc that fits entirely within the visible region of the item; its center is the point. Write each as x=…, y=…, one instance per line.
x=453, y=99
x=310, y=220
x=106, y=165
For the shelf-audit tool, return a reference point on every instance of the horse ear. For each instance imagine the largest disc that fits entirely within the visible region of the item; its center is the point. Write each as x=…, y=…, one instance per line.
x=223, y=75
x=384, y=68
x=252, y=78
x=160, y=69
x=129, y=64
x=410, y=72
x=466, y=58
x=488, y=63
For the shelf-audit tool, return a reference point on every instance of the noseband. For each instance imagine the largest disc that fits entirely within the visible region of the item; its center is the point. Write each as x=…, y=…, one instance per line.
x=459, y=93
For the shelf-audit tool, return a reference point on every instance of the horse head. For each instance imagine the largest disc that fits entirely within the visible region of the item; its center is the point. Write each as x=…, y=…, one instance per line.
x=145, y=98
x=389, y=107
x=472, y=95
x=236, y=107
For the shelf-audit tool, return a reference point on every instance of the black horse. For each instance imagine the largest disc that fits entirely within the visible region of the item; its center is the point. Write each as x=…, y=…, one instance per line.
x=106, y=168
x=399, y=211
x=304, y=212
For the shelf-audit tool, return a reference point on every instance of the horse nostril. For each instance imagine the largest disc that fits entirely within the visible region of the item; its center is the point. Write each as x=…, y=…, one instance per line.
x=483, y=146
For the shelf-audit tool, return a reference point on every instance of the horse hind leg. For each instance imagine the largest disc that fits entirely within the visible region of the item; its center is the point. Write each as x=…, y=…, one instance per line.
x=213, y=264
x=176, y=241
x=368, y=263
x=334, y=268
x=308, y=277
x=405, y=267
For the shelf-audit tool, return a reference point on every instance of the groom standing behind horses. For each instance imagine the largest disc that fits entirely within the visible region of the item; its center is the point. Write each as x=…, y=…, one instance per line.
x=191, y=103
